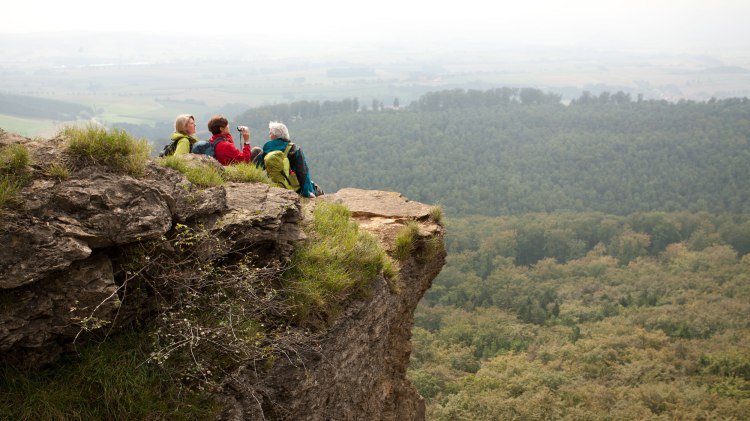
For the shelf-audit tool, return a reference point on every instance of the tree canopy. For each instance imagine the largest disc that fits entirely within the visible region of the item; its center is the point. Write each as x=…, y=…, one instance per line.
x=496, y=153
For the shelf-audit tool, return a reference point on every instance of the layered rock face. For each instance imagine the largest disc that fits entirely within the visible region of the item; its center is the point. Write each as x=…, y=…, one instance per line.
x=59, y=282
x=56, y=270
x=359, y=371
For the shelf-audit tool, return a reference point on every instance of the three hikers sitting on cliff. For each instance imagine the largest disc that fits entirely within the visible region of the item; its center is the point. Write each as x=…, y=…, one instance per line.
x=283, y=161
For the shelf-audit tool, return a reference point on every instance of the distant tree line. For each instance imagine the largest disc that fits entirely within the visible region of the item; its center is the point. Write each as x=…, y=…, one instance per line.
x=459, y=98
x=611, y=156
x=42, y=108
x=432, y=101
x=158, y=134
x=294, y=111
x=529, y=238
x=509, y=150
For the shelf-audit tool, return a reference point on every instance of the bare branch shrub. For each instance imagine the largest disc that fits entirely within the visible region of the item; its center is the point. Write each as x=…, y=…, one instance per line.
x=209, y=318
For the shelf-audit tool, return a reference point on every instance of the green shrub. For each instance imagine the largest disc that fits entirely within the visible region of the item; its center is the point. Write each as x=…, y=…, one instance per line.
x=436, y=214
x=9, y=189
x=204, y=175
x=14, y=159
x=629, y=245
x=246, y=173
x=115, y=148
x=406, y=241
x=213, y=317
x=108, y=381
x=429, y=382
x=726, y=363
x=389, y=270
x=390, y=273
x=58, y=170
x=334, y=265
x=731, y=387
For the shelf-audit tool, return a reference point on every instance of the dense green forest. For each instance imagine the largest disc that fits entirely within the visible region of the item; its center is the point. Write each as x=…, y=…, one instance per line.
x=606, y=153
x=529, y=320
x=598, y=262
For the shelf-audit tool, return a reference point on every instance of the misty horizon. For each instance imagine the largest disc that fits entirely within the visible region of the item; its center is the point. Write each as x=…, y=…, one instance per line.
x=145, y=62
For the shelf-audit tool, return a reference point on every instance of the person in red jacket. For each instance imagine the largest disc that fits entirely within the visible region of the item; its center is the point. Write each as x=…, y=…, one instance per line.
x=224, y=150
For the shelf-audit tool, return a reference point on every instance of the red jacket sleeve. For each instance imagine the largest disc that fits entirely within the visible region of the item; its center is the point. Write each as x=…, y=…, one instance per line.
x=226, y=153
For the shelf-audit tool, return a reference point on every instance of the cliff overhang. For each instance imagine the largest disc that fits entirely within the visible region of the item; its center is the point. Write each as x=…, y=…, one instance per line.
x=61, y=279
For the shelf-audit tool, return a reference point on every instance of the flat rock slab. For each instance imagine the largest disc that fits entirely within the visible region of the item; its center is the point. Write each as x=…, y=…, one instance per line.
x=373, y=203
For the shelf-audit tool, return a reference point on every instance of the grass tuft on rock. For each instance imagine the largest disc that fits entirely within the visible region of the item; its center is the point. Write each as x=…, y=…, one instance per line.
x=406, y=241
x=58, y=170
x=10, y=188
x=335, y=265
x=202, y=175
x=113, y=148
x=246, y=173
x=14, y=161
x=436, y=214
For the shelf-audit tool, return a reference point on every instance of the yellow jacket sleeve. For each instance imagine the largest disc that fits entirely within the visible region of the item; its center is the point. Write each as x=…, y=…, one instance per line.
x=183, y=146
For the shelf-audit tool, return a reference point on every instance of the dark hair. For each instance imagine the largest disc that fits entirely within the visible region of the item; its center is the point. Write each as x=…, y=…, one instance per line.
x=216, y=123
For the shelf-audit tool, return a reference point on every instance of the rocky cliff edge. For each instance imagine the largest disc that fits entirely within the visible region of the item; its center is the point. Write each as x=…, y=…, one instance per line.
x=60, y=261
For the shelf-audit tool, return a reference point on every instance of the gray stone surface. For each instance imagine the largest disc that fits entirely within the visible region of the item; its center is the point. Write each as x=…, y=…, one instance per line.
x=367, y=203
x=40, y=321
x=260, y=219
x=32, y=249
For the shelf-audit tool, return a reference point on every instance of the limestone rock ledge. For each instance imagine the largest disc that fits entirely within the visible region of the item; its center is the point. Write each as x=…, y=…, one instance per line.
x=359, y=373
x=59, y=266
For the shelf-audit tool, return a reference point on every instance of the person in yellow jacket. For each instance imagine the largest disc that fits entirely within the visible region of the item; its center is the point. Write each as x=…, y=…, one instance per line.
x=184, y=134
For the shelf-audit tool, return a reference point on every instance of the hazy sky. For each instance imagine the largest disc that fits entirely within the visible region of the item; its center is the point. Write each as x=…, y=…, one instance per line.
x=638, y=24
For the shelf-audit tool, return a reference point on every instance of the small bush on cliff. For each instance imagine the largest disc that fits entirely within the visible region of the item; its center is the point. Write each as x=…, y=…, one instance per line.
x=436, y=214
x=9, y=189
x=213, y=317
x=246, y=173
x=334, y=265
x=406, y=240
x=204, y=175
x=114, y=148
x=14, y=160
x=58, y=170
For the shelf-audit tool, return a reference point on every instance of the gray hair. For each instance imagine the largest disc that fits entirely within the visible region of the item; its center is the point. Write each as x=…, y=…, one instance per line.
x=278, y=130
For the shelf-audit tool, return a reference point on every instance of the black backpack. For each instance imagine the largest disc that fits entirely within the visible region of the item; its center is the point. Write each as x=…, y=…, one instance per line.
x=169, y=149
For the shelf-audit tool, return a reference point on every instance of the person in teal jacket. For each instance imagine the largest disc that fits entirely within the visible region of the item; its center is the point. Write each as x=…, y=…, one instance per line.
x=184, y=134
x=279, y=140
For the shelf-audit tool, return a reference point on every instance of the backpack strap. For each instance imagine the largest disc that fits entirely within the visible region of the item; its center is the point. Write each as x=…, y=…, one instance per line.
x=191, y=141
x=288, y=149
x=170, y=148
x=286, y=155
